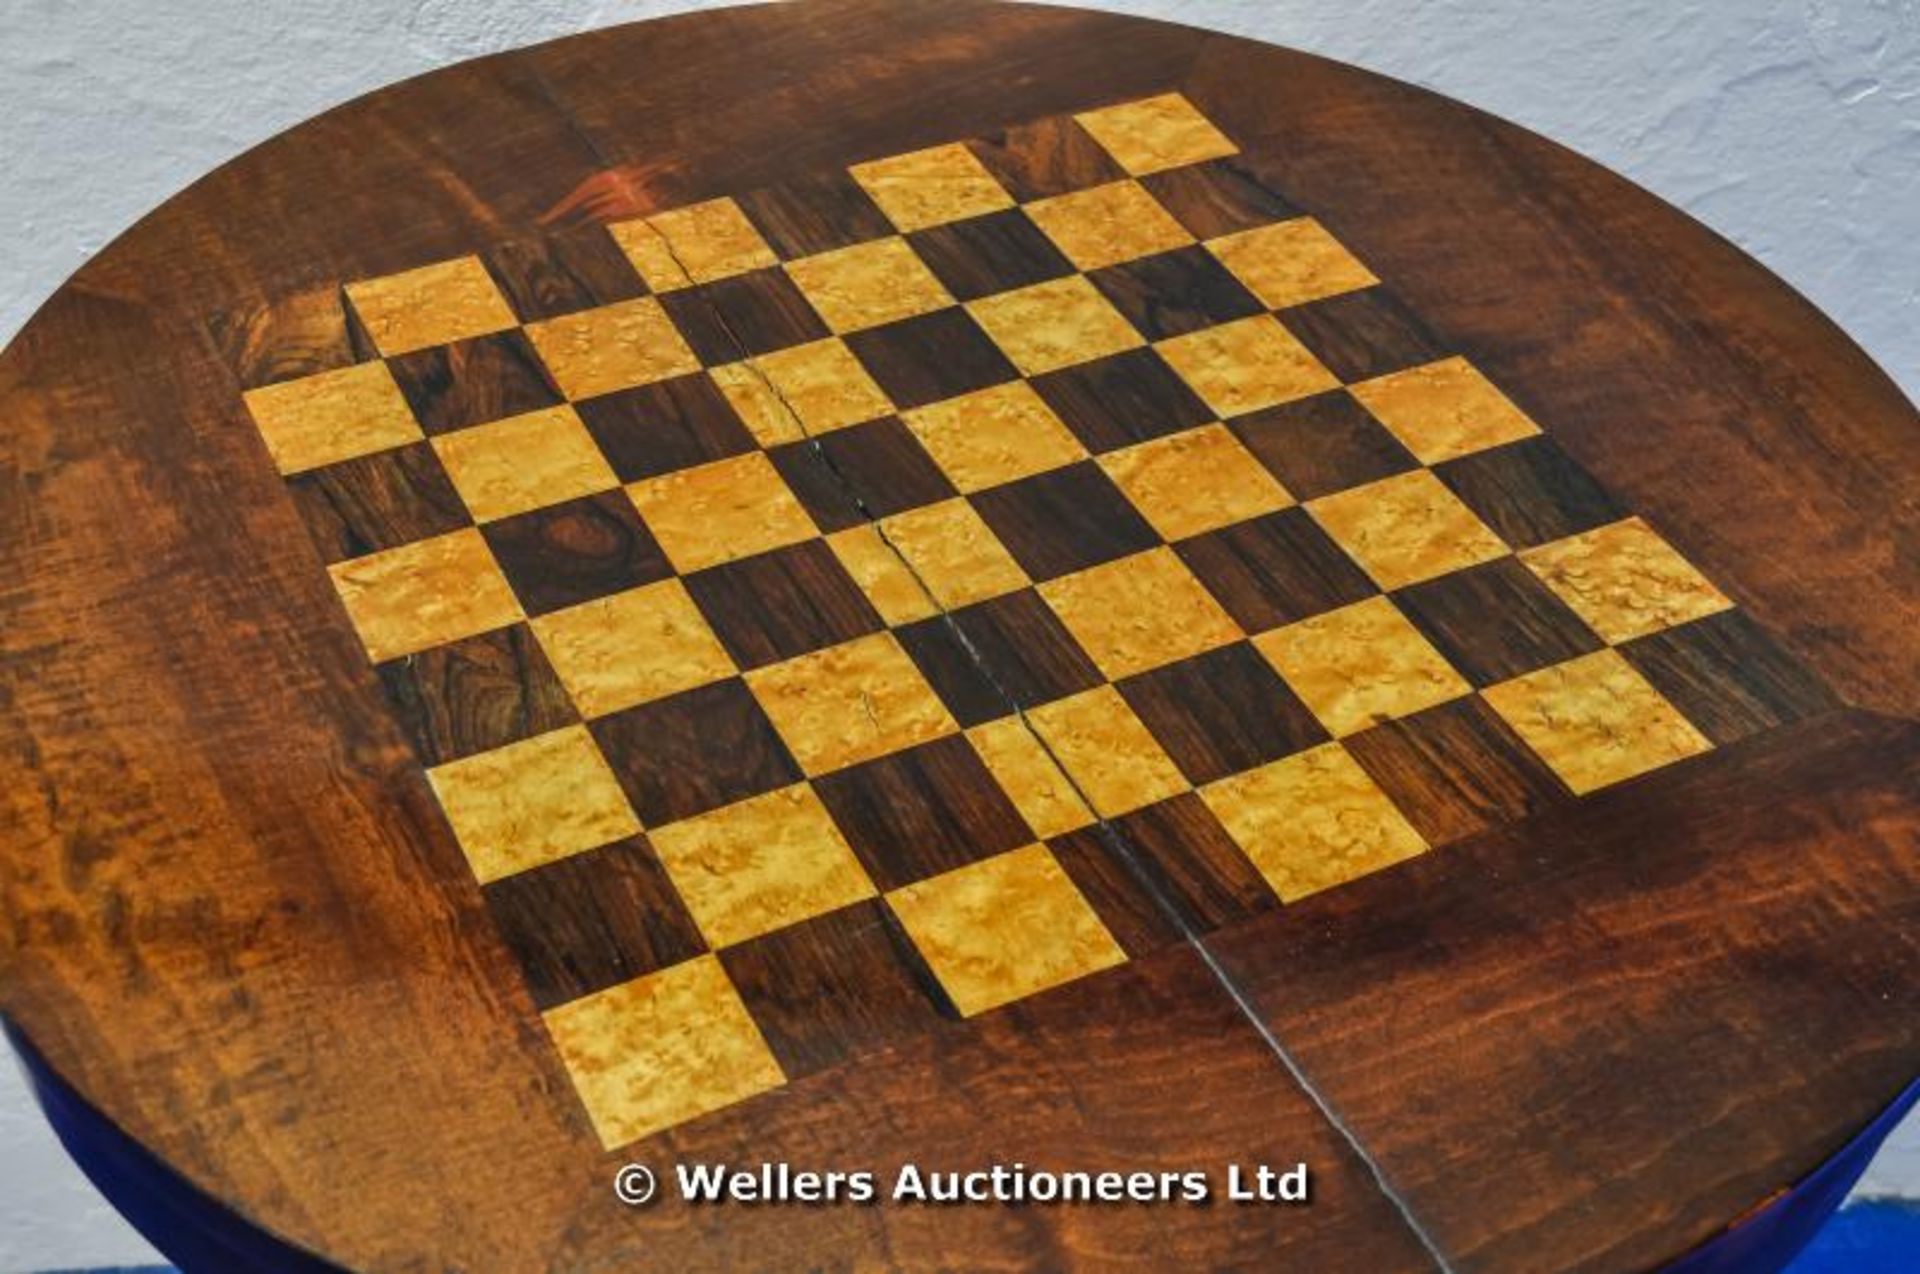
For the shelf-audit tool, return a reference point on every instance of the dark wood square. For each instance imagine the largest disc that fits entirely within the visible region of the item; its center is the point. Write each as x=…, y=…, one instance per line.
x=576, y=551
x=836, y=986
x=1176, y=292
x=846, y=476
x=1729, y=676
x=1033, y=658
x=1496, y=621
x=1162, y=872
x=921, y=812
x=752, y=313
x=995, y=253
x=1221, y=713
x=694, y=751
x=303, y=334
x=933, y=356
x=471, y=382
x=476, y=694
x=1455, y=769
x=560, y=274
x=1123, y=399
x=1322, y=444
x=376, y=502
x=668, y=425
x=1064, y=520
x=814, y=214
x=1530, y=492
x=1219, y=197
x=1360, y=335
x=773, y=606
x=1275, y=569
x=592, y=920
x=1049, y=156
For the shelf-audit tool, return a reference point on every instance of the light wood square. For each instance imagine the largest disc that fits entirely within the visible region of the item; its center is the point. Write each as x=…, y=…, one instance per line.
x=881, y=574
x=1291, y=262
x=700, y=243
x=612, y=347
x=1312, y=820
x=1246, y=365
x=1194, y=481
x=994, y=436
x=532, y=802
x=806, y=389
x=1139, y=612
x=868, y=284
x=433, y=305
x=760, y=864
x=632, y=647
x=426, y=593
x=1029, y=777
x=721, y=511
x=662, y=1049
x=1595, y=720
x=1361, y=665
x=850, y=703
x=1055, y=324
x=1108, y=224
x=1624, y=580
x=1406, y=528
x=1156, y=133
x=332, y=416
x=954, y=553
x=927, y=187
x=524, y=462
x=1004, y=928
x=1444, y=409
x=1108, y=752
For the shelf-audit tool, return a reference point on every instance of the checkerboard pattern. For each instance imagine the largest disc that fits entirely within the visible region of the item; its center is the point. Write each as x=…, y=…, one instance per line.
x=883, y=597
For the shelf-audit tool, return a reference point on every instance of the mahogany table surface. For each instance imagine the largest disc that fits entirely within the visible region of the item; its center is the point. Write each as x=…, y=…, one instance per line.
x=865, y=583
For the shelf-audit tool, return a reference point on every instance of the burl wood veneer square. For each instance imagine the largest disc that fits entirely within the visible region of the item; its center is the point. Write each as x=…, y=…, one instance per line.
x=1406, y=528
x=1156, y=133
x=954, y=553
x=718, y=512
x=760, y=864
x=849, y=703
x=809, y=389
x=1108, y=224
x=332, y=416
x=532, y=802
x=1245, y=365
x=426, y=593
x=1595, y=720
x=1054, y=324
x=1624, y=580
x=662, y=1049
x=617, y=346
x=433, y=305
x=632, y=647
x=1361, y=665
x=1111, y=756
x=928, y=187
x=1004, y=928
x=524, y=462
x=882, y=575
x=1195, y=481
x=1291, y=262
x=1443, y=410
x=1030, y=777
x=994, y=435
x=1312, y=820
x=1139, y=612
x=868, y=284
x=700, y=243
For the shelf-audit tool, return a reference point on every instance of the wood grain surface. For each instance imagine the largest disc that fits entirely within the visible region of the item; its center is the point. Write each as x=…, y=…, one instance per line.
x=1583, y=1034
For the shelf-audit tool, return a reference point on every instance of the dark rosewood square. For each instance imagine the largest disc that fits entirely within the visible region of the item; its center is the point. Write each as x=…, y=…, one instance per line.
x=376, y=502
x=1275, y=569
x=694, y=751
x=573, y=552
x=1360, y=335
x=1221, y=712
x=1176, y=292
x=753, y=313
x=995, y=253
x=476, y=694
x=921, y=812
x=1530, y=492
x=1064, y=520
x=1728, y=676
x=1219, y=197
x=1455, y=769
x=1322, y=444
x=668, y=425
x=1034, y=658
x=934, y=356
x=1126, y=398
x=562, y=273
x=848, y=475
x=773, y=606
x=1496, y=621
x=814, y=214
x=473, y=381
x=1046, y=157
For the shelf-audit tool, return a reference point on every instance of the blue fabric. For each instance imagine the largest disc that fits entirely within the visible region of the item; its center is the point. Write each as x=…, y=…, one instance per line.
x=1873, y=1236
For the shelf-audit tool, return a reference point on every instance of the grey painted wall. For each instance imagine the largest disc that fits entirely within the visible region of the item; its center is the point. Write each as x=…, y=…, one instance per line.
x=1791, y=126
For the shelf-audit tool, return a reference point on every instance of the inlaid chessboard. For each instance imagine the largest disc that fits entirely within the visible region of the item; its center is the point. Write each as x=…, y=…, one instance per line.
x=858, y=604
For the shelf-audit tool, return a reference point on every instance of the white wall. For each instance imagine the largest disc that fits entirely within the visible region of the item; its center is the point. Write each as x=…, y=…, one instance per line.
x=1791, y=126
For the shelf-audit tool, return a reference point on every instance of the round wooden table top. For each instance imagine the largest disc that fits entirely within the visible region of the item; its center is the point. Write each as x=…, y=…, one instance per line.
x=864, y=584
